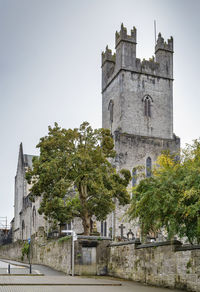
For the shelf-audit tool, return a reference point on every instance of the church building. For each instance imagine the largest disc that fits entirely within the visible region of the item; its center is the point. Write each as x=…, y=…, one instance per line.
x=26, y=217
x=137, y=107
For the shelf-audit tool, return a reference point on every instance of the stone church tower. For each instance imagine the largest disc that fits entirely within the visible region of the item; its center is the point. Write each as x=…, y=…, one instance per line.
x=137, y=106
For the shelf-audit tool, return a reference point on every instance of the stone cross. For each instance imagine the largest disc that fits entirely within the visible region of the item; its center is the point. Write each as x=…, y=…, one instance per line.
x=121, y=227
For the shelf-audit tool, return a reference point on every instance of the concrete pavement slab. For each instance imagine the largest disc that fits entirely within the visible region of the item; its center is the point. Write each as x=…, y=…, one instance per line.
x=125, y=287
x=84, y=289
x=15, y=268
x=55, y=280
x=39, y=269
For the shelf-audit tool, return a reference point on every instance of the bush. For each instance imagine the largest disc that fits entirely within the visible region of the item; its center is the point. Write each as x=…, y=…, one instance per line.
x=25, y=250
x=65, y=238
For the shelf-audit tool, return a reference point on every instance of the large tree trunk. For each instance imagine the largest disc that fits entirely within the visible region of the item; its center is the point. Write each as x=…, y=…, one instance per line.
x=86, y=223
x=85, y=216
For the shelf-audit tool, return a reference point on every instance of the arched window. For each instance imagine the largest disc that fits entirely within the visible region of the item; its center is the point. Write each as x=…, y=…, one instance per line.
x=34, y=216
x=23, y=227
x=134, y=179
x=147, y=105
x=110, y=108
x=103, y=228
x=148, y=167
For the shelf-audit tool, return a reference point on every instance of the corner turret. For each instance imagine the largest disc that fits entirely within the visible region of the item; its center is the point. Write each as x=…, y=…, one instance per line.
x=164, y=56
x=108, y=65
x=162, y=45
x=125, y=49
x=107, y=56
x=123, y=36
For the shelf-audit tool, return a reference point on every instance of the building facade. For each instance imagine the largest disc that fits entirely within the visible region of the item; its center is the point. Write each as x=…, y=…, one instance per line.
x=26, y=217
x=137, y=106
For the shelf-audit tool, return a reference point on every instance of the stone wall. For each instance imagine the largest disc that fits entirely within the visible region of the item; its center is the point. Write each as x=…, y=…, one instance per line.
x=12, y=251
x=166, y=264
x=132, y=151
x=91, y=253
x=52, y=252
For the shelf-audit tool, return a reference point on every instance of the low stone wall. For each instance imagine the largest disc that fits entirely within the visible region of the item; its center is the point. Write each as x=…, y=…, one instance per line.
x=12, y=251
x=90, y=257
x=166, y=264
x=53, y=253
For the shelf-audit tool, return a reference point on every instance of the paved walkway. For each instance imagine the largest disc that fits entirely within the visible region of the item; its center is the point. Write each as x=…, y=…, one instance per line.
x=71, y=284
x=22, y=268
x=15, y=268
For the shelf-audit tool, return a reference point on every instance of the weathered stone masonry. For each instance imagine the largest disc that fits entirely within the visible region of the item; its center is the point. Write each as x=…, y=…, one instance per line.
x=90, y=257
x=26, y=217
x=52, y=253
x=137, y=106
x=166, y=264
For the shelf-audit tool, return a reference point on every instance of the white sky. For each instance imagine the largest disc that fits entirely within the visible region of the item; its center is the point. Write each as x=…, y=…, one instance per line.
x=50, y=67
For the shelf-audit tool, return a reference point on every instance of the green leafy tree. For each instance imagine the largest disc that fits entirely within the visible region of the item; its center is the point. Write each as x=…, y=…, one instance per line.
x=170, y=199
x=74, y=176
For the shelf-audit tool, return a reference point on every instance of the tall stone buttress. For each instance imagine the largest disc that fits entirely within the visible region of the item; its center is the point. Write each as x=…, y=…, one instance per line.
x=137, y=106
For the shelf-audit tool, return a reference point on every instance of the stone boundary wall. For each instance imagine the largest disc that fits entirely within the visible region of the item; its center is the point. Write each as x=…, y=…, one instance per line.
x=11, y=251
x=53, y=253
x=165, y=264
x=56, y=253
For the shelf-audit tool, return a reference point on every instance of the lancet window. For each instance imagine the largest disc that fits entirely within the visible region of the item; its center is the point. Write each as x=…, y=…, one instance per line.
x=134, y=179
x=103, y=228
x=148, y=167
x=110, y=108
x=147, y=105
x=34, y=216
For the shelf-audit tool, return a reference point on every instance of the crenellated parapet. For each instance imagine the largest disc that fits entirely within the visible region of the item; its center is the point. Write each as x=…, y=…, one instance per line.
x=162, y=45
x=108, y=56
x=125, y=58
x=123, y=36
x=147, y=66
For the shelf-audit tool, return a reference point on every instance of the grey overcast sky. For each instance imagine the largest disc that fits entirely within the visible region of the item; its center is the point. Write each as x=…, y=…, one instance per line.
x=50, y=67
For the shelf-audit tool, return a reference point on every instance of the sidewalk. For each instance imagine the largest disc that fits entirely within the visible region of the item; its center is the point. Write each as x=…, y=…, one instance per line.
x=15, y=268
x=72, y=284
x=36, y=269
x=55, y=281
